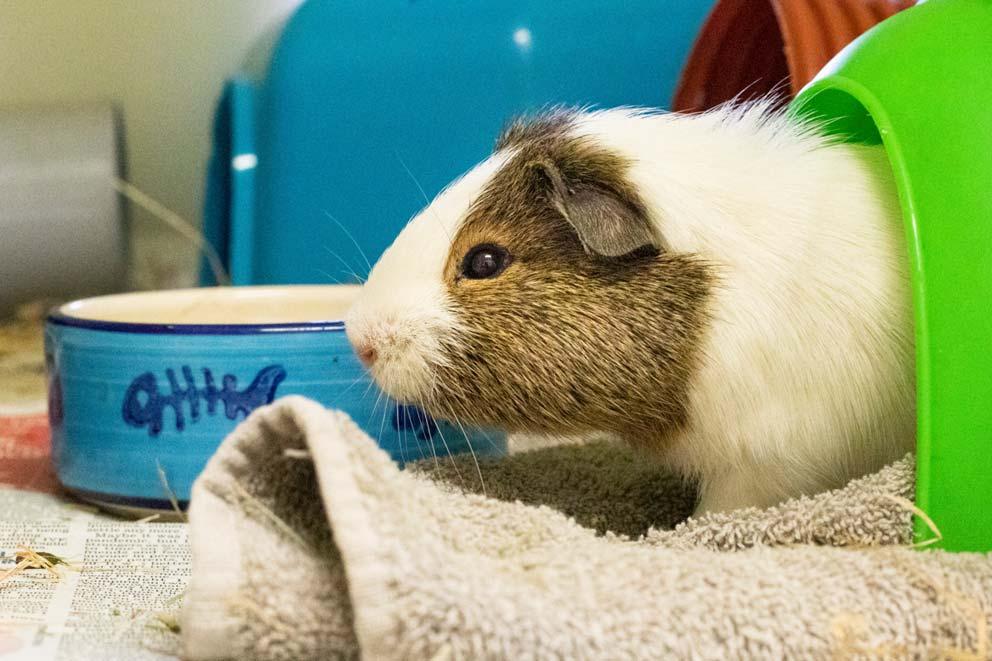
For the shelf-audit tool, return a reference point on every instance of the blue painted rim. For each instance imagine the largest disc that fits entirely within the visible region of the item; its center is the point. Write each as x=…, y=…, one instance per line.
x=60, y=319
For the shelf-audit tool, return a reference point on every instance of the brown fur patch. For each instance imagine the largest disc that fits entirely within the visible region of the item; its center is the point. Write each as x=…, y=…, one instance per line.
x=564, y=341
x=552, y=125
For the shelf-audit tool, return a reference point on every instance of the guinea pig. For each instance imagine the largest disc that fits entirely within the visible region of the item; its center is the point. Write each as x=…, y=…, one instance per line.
x=727, y=291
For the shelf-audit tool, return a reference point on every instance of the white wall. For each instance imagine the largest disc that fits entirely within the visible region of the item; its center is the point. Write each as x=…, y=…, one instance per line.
x=163, y=62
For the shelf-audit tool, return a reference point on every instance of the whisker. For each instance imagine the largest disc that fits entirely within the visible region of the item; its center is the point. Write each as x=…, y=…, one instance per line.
x=375, y=407
x=478, y=468
x=385, y=412
x=327, y=275
x=341, y=394
x=352, y=238
x=346, y=265
x=416, y=183
x=368, y=388
x=430, y=435
x=402, y=429
x=447, y=449
x=427, y=201
x=430, y=440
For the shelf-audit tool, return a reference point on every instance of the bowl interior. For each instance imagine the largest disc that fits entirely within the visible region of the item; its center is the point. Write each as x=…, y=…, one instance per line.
x=298, y=304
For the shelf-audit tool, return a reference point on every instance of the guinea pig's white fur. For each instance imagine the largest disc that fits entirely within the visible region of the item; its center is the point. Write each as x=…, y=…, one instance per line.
x=806, y=374
x=403, y=309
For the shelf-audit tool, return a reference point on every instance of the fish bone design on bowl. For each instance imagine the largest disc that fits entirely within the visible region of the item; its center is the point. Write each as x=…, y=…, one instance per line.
x=143, y=387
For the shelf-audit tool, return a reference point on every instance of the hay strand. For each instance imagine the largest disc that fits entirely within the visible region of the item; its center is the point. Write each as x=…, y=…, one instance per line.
x=177, y=223
x=27, y=558
x=923, y=516
x=169, y=492
x=255, y=504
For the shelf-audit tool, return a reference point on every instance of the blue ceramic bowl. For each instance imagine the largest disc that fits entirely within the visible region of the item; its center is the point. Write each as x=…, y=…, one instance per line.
x=148, y=380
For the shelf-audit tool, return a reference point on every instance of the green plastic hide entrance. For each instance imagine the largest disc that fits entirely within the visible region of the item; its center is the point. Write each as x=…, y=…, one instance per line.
x=920, y=83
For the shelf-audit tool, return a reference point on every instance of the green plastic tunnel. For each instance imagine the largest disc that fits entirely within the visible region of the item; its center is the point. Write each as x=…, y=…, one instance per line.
x=920, y=83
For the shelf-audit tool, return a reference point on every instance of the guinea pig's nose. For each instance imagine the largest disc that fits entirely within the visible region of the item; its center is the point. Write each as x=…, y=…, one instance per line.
x=367, y=354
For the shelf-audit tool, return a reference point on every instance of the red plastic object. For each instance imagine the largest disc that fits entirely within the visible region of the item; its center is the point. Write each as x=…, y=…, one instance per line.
x=25, y=453
x=750, y=48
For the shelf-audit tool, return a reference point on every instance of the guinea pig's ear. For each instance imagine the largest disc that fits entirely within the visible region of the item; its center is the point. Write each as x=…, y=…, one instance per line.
x=608, y=222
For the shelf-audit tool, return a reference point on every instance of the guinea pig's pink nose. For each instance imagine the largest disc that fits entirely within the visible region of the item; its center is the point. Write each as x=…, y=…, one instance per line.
x=367, y=354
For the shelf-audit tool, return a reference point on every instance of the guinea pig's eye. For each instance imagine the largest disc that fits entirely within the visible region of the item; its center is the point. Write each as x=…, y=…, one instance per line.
x=485, y=261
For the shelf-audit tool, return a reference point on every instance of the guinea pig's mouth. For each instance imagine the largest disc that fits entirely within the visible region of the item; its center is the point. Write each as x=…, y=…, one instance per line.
x=401, y=340
x=401, y=377
x=388, y=368
x=398, y=364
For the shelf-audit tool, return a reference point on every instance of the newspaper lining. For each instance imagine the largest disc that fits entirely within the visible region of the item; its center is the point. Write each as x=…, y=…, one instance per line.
x=131, y=577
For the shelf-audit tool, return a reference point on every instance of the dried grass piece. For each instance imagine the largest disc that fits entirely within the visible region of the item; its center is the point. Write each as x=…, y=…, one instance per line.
x=27, y=558
x=923, y=516
x=169, y=492
x=18, y=568
x=169, y=620
x=179, y=224
x=254, y=504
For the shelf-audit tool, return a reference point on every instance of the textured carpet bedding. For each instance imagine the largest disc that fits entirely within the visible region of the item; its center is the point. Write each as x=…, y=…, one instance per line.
x=308, y=542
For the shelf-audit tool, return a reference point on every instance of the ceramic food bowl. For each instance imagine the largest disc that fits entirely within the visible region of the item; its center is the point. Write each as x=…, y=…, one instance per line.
x=139, y=382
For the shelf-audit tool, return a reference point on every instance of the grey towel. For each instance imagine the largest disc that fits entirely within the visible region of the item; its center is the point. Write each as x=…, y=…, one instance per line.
x=308, y=542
